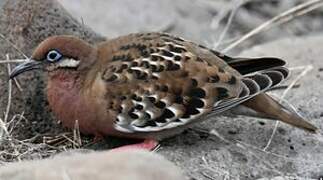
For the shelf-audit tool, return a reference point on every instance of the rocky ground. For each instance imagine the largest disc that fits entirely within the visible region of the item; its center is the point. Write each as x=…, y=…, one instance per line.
x=220, y=147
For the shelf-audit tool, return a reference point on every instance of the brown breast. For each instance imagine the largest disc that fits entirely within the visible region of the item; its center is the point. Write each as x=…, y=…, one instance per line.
x=69, y=104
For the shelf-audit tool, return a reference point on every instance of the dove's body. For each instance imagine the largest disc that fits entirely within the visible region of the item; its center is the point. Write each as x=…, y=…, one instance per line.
x=154, y=85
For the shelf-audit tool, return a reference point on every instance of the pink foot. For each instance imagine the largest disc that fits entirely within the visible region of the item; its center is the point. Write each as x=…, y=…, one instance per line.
x=147, y=144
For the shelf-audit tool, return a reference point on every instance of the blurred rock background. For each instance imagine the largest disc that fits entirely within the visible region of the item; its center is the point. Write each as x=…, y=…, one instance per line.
x=220, y=148
x=199, y=20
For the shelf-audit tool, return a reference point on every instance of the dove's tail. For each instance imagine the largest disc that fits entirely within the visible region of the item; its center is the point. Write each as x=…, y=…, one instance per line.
x=266, y=105
x=263, y=105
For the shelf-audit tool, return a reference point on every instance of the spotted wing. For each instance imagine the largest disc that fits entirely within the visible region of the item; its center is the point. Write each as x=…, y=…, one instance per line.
x=157, y=82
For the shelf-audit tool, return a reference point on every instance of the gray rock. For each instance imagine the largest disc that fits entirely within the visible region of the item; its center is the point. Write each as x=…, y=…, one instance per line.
x=116, y=165
x=219, y=148
x=189, y=18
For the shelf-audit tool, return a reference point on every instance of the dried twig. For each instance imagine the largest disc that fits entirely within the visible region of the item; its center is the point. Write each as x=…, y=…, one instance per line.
x=283, y=87
x=18, y=85
x=15, y=122
x=77, y=134
x=13, y=45
x=9, y=92
x=229, y=22
x=4, y=123
x=3, y=130
x=279, y=19
x=75, y=143
x=304, y=72
x=13, y=61
x=8, y=61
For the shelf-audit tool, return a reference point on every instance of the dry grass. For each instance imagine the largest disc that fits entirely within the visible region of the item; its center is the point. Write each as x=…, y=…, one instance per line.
x=279, y=19
x=13, y=149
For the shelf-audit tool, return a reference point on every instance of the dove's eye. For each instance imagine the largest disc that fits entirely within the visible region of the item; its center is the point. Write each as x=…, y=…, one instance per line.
x=53, y=56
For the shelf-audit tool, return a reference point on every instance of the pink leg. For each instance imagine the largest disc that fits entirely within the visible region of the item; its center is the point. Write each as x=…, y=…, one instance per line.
x=147, y=144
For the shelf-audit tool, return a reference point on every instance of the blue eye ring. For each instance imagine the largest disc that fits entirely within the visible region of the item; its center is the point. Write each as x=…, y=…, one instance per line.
x=53, y=56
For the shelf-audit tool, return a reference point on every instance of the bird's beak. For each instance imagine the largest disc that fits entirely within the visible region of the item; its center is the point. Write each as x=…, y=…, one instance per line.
x=26, y=66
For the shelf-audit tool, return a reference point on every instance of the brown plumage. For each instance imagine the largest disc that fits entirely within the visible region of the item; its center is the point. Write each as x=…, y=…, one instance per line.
x=152, y=85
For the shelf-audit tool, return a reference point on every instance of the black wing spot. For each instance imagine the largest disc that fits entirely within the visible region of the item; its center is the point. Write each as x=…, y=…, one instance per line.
x=168, y=113
x=170, y=66
x=143, y=76
x=160, y=69
x=187, y=58
x=232, y=80
x=164, y=88
x=139, y=107
x=179, y=99
x=160, y=104
x=130, y=71
x=113, y=69
x=197, y=102
x=151, y=123
x=154, y=58
x=134, y=64
x=144, y=64
x=153, y=67
x=173, y=67
x=133, y=115
x=152, y=50
x=147, y=115
x=177, y=58
x=125, y=47
x=145, y=53
x=122, y=67
x=176, y=49
x=214, y=79
x=112, y=78
x=194, y=83
x=154, y=77
x=136, y=72
x=148, y=123
x=199, y=59
x=140, y=47
x=122, y=98
x=136, y=98
x=152, y=99
x=147, y=38
x=222, y=93
x=160, y=119
x=190, y=109
x=122, y=58
x=197, y=92
x=167, y=53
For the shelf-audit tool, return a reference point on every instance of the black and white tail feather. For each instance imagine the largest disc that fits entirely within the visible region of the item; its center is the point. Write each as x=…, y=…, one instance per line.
x=254, y=84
